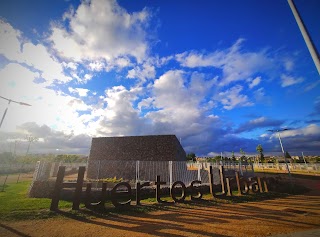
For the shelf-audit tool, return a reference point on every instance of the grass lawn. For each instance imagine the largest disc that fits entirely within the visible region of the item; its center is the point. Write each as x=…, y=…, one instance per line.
x=15, y=203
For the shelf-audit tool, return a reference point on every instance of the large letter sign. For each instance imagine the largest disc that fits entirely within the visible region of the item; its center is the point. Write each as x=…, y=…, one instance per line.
x=183, y=191
x=158, y=183
x=121, y=194
x=195, y=189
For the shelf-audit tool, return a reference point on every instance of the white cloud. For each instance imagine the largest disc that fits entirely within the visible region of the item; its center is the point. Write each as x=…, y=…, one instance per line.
x=10, y=41
x=87, y=77
x=200, y=86
x=288, y=64
x=232, y=98
x=79, y=91
x=38, y=57
x=35, y=56
x=176, y=108
x=213, y=116
x=78, y=105
x=310, y=130
x=48, y=107
x=101, y=31
x=119, y=117
x=216, y=59
x=122, y=62
x=258, y=120
x=71, y=65
x=312, y=85
x=289, y=80
x=194, y=59
x=178, y=104
x=143, y=73
x=259, y=94
x=117, y=64
x=171, y=95
x=97, y=65
x=261, y=97
x=17, y=81
x=235, y=63
x=21, y=80
x=254, y=82
x=67, y=47
x=145, y=103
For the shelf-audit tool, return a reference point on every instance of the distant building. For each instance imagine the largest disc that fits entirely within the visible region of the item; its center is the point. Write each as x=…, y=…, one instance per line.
x=297, y=158
x=109, y=152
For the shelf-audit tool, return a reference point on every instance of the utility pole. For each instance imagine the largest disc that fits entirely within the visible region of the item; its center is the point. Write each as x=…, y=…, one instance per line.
x=30, y=139
x=306, y=36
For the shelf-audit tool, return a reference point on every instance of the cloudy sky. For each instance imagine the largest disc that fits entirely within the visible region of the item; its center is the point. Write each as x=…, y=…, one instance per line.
x=217, y=74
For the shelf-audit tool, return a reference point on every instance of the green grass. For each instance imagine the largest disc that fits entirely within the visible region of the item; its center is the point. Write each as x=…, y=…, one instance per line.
x=13, y=178
x=15, y=203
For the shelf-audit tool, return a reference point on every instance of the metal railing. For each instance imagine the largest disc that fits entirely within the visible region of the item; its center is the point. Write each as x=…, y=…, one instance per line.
x=14, y=173
x=134, y=171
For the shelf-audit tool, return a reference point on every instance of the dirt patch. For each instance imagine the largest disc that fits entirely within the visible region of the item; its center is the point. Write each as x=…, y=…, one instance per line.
x=284, y=215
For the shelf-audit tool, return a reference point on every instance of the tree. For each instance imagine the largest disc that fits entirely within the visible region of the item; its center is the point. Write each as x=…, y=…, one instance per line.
x=260, y=151
x=233, y=158
x=191, y=156
x=69, y=158
x=243, y=157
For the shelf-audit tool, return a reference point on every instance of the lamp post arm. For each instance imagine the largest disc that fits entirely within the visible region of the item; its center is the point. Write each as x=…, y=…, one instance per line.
x=9, y=101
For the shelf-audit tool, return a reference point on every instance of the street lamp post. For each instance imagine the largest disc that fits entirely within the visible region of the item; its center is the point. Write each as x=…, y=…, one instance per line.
x=284, y=155
x=312, y=49
x=9, y=101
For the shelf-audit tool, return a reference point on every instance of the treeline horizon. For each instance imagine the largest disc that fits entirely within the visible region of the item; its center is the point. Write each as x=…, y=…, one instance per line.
x=10, y=158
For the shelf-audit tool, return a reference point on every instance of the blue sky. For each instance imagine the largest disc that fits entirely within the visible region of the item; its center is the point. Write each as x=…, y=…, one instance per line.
x=217, y=74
